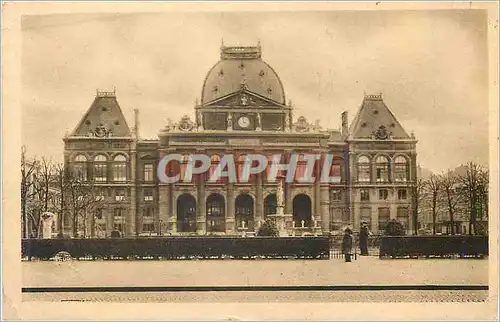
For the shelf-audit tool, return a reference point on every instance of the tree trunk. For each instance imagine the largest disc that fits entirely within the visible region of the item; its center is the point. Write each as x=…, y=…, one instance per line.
x=434, y=201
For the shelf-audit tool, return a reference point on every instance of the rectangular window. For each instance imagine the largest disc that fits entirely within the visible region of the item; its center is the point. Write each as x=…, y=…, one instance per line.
x=118, y=212
x=336, y=195
x=383, y=217
x=100, y=174
x=148, y=227
x=99, y=214
x=365, y=194
x=148, y=195
x=120, y=172
x=120, y=195
x=365, y=216
x=382, y=173
x=364, y=172
x=148, y=212
x=400, y=172
x=402, y=194
x=402, y=216
x=148, y=172
x=80, y=171
x=383, y=194
x=100, y=195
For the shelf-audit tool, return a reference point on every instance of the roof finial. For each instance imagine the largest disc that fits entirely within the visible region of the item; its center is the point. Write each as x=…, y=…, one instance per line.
x=222, y=43
x=258, y=42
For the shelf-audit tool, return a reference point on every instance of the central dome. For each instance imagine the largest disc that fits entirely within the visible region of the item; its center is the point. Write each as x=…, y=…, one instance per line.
x=242, y=66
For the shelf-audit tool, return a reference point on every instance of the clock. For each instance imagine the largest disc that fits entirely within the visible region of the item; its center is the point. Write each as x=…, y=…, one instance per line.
x=244, y=122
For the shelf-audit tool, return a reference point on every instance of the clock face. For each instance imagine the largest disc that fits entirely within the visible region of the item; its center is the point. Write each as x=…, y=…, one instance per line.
x=243, y=121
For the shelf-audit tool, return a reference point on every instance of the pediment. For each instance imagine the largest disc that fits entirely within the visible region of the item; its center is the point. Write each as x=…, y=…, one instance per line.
x=243, y=99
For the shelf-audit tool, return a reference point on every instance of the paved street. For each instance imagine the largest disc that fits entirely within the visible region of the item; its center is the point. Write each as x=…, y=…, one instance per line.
x=364, y=271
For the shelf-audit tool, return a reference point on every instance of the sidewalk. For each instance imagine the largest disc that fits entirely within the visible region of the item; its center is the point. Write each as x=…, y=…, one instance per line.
x=363, y=271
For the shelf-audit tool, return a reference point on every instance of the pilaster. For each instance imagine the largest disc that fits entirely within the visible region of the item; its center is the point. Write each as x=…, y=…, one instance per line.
x=230, y=219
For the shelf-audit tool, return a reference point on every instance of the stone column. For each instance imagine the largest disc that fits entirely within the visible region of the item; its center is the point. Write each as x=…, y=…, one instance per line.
x=230, y=219
x=409, y=229
x=259, y=201
x=325, y=208
x=172, y=215
x=318, y=213
x=201, y=213
x=356, y=213
x=110, y=220
x=163, y=205
x=132, y=213
x=393, y=205
x=374, y=219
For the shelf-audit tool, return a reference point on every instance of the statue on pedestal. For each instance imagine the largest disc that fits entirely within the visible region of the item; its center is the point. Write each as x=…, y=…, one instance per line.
x=47, y=219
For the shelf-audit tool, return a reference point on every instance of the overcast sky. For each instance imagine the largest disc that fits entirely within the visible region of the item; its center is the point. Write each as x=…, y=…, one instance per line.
x=431, y=67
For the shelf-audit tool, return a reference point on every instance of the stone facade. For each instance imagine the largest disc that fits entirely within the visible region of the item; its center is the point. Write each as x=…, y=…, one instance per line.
x=243, y=111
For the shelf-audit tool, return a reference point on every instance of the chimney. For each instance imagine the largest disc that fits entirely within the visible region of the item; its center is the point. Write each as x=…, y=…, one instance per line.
x=136, y=121
x=345, y=124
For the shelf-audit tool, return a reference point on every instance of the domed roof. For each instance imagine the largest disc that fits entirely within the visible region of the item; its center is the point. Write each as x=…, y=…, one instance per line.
x=242, y=66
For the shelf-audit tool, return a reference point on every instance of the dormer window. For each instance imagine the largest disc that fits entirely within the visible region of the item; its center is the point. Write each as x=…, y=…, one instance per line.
x=270, y=91
x=261, y=74
x=215, y=89
x=221, y=73
x=242, y=65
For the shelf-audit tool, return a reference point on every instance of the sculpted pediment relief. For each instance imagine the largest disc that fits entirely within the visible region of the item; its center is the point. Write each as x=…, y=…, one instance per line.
x=243, y=99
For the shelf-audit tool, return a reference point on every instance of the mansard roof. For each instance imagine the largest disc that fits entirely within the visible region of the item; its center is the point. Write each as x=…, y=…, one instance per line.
x=104, y=118
x=375, y=120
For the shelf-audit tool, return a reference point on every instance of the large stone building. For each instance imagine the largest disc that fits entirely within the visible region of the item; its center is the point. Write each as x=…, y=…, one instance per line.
x=243, y=110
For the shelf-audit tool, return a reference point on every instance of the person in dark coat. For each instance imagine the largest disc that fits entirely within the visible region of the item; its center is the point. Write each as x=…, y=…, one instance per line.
x=363, y=239
x=347, y=242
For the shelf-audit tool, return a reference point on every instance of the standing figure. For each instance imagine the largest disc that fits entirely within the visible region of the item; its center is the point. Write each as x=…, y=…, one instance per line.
x=347, y=242
x=363, y=239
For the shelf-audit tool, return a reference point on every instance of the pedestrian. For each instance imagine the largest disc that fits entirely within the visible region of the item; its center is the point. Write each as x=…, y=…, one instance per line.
x=364, y=232
x=347, y=244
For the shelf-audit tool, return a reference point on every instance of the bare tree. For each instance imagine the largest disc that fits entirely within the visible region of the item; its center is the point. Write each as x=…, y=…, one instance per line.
x=27, y=188
x=432, y=187
x=83, y=200
x=474, y=192
x=44, y=194
x=450, y=187
x=419, y=193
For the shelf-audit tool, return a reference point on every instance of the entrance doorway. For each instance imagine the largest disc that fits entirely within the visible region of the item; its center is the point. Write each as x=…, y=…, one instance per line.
x=186, y=213
x=244, y=211
x=302, y=210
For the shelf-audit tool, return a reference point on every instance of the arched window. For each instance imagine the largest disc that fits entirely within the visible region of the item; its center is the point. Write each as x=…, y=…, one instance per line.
x=183, y=168
x=119, y=168
x=400, y=169
x=215, y=208
x=80, y=167
x=364, y=169
x=337, y=171
x=382, y=169
x=270, y=205
x=80, y=158
x=214, y=160
x=100, y=168
x=300, y=170
x=240, y=165
x=280, y=173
